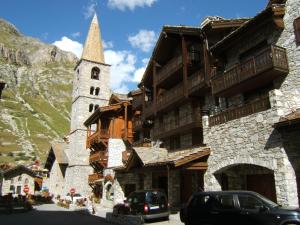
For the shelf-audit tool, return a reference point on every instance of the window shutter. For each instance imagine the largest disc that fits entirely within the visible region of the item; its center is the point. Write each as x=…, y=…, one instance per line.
x=297, y=30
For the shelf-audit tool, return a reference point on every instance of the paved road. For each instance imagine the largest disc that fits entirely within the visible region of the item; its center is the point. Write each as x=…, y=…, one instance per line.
x=50, y=214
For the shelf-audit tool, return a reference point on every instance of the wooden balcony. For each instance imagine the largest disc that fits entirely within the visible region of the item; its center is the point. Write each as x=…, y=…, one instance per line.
x=137, y=102
x=258, y=71
x=148, y=110
x=180, y=126
x=100, y=137
x=94, y=177
x=99, y=158
x=196, y=83
x=170, y=98
x=169, y=69
x=245, y=110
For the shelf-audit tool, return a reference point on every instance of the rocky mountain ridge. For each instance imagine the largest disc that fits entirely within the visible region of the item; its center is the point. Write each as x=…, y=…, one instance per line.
x=36, y=102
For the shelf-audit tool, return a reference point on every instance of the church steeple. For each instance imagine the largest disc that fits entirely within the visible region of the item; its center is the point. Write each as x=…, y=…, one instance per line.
x=93, y=50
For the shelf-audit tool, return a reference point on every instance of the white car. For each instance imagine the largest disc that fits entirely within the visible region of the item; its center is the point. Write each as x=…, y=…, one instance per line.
x=75, y=197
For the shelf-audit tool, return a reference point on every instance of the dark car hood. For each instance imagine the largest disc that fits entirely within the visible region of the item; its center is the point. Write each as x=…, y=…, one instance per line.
x=285, y=209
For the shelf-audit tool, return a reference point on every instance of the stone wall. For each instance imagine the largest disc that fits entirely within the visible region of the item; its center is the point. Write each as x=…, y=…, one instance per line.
x=174, y=188
x=115, y=149
x=56, y=183
x=252, y=139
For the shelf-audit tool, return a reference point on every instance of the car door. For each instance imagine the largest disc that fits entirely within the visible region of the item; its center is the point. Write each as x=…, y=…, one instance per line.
x=136, y=202
x=225, y=210
x=254, y=211
x=199, y=210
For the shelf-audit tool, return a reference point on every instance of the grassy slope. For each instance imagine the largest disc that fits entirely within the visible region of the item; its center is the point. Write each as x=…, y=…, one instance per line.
x=49, y=101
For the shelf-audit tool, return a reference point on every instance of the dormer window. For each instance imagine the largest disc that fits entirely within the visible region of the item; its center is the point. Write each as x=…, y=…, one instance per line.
x=95, y=73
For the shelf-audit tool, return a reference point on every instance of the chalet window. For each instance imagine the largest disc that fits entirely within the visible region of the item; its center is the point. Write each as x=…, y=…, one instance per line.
x=91, y=106
x=77, y=71
x=97, y=90
x=95, y=73
x=19, y=178
x=26, y=181
x=92, y=90
x=297, y=30
x=96, y=107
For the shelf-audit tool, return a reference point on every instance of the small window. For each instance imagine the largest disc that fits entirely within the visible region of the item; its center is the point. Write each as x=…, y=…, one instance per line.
x=297, y=30
x=226, y=202
x=91, y=106
x=26, y=181
x=249, y=202
x=97, y=91
x=77, y=71
x=96, y=107
x=92, y=90
x=19, y=178
x=95, y=73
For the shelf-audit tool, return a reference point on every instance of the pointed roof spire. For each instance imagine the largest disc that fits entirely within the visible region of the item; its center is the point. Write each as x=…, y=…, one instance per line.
x=93, y=49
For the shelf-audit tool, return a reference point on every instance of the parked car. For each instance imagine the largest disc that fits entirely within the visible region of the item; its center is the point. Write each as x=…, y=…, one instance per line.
x=76, y=197
x=150, y=204
x=236, y=207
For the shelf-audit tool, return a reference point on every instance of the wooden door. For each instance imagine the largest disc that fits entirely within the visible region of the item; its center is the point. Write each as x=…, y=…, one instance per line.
x=263, y=184
x=186, y=185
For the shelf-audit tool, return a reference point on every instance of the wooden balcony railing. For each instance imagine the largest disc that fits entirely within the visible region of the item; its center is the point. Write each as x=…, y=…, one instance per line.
x=100, y=157
x=167, y=70
x=97, y=137
x=177, y=125
x=271, y=58
x=94, y=177
x=170, y=97
x=196, y=81
x=245, y=110
x=137, y=101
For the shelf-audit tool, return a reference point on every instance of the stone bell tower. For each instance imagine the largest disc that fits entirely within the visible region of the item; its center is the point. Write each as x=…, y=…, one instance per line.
x=90, y=90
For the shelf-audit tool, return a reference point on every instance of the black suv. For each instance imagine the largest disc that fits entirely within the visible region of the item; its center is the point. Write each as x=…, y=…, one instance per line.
x=151, y=204
x=236, y=208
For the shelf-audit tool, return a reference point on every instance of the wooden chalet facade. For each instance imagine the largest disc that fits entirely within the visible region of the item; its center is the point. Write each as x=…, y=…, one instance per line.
x=113, y=121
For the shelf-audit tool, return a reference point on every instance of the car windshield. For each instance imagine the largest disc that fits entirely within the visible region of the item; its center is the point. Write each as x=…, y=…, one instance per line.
x=268, y=201
x=77, y=195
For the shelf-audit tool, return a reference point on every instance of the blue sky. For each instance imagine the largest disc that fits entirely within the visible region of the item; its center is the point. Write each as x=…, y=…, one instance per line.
x=129, y=27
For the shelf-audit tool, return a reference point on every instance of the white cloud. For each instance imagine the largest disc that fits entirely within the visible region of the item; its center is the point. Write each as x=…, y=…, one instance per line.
x=107, y=44
x=69, y=45
x=122, y=68
x=76, y=34
x=138, y=74
x=90, y=9
x=144, y=40
x=130, y=4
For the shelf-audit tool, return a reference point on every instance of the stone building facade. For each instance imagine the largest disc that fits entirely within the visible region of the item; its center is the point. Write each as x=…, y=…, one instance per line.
x=248, y=149
x=16, y=178
x=90, y=91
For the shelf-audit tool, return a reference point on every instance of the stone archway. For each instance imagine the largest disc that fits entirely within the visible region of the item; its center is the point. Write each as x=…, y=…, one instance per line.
x=247, y=177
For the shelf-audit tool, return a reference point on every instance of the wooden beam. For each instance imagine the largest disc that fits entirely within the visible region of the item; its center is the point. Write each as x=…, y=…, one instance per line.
x=192, y=157
x=154, y=87
x=185, y=64
x=197, y=166
x=126, y=121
